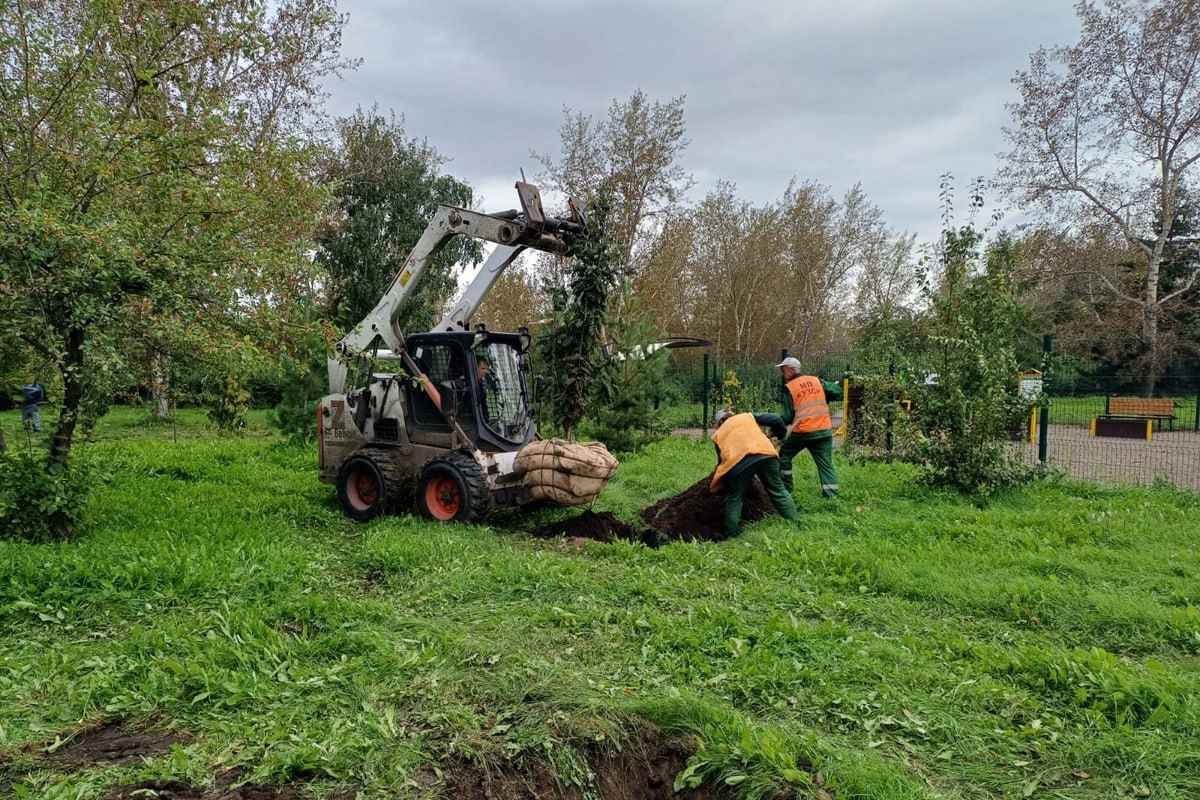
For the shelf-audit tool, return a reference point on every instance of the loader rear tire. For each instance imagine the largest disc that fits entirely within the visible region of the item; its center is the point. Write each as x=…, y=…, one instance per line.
x=453, y=488
x=369, y=483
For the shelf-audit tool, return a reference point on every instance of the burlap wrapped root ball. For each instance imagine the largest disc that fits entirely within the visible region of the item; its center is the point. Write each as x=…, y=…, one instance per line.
x=566, y=473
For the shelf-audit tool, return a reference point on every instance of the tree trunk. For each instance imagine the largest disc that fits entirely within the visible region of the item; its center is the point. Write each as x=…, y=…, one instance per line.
x=64, y=434
x=160, y=365
x=1150, y=349
x=1150, y=326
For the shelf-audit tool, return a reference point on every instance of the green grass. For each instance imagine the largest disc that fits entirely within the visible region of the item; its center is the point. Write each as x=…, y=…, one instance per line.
x=911, y=644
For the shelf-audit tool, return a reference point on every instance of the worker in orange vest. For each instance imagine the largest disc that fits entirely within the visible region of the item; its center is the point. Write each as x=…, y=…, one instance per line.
x=811, y=427
x=743, y=453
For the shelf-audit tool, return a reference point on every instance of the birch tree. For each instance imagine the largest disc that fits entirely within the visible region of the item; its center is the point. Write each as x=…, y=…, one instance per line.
x=1108, y=130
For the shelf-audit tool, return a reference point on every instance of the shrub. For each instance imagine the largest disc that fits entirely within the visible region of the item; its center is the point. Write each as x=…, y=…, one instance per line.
x=229, y=403
x=965, y=409
x=304, y=381
x=37, y=505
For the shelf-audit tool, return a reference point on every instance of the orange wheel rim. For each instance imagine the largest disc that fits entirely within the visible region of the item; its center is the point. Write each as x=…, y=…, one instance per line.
x=442, y=498
x=363, y=490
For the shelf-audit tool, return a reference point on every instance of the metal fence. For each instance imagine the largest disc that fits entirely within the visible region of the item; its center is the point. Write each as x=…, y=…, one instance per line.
x=1097, y=429
x=699, y=384
x=1089, y=427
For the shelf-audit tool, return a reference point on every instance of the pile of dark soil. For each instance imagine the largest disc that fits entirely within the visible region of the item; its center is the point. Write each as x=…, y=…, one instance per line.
x=696, y=514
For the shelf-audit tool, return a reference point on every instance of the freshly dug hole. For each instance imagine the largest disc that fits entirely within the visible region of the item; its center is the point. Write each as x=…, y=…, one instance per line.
x=694, y=514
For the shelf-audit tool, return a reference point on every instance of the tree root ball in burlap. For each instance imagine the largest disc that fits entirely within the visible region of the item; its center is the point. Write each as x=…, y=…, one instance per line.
x=566, y=473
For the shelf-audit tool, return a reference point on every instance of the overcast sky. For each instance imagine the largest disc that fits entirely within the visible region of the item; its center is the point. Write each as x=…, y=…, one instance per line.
x=886, y=93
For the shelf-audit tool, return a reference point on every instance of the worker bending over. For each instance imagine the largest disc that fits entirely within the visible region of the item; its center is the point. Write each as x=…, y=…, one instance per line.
x=743, y=453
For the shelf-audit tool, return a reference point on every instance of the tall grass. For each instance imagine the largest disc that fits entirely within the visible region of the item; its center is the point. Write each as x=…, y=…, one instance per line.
x=901, y=642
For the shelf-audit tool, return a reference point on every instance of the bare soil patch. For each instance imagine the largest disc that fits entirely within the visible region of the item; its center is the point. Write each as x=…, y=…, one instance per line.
x=592, y=526
x=113, y=743
x=644, y=769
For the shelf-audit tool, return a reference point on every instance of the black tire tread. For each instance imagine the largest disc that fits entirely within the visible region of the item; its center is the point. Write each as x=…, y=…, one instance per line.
x=398, y=482
x=479, y=501
x=395, y=478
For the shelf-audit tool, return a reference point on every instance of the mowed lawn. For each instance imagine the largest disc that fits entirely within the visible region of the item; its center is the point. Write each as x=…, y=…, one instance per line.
x=902, y=643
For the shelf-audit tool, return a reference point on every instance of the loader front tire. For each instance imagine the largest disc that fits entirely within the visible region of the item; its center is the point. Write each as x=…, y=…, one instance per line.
x=453, y=488
x=368, y=484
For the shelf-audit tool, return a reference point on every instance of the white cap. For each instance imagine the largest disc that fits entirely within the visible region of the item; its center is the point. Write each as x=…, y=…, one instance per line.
x=720, y=416
x=794, y=363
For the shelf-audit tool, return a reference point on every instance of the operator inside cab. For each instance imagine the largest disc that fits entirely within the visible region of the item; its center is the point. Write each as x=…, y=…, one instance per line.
x=487, y=387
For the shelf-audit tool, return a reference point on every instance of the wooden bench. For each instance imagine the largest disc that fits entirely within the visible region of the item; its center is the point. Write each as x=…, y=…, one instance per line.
x=1132, y=417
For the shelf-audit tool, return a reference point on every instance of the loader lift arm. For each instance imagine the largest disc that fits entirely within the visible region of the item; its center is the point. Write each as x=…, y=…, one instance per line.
x=514, y=231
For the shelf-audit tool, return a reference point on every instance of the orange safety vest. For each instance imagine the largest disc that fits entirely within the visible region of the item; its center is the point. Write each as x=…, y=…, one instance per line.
x=808, y=400
x=738, y=437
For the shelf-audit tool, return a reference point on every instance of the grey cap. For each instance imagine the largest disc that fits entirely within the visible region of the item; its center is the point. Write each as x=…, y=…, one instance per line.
x=721, y=415
x=794, y=363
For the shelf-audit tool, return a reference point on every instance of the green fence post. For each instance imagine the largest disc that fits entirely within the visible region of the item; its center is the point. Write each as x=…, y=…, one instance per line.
x=704, y=412
x=893, y=402
x=716, y=383
x=1047, y=376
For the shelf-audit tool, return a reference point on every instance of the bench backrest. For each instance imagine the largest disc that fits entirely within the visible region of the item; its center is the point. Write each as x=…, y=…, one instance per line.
x=1142, y=406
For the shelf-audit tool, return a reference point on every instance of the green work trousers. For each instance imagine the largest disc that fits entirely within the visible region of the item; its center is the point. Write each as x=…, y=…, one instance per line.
x=822, y=453
x=767, y=471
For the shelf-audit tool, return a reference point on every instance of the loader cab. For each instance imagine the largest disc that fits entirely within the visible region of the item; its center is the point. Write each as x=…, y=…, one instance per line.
x=481, y=376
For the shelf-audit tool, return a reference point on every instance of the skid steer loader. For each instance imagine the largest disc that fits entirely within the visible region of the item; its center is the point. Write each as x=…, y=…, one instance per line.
x=440, y=417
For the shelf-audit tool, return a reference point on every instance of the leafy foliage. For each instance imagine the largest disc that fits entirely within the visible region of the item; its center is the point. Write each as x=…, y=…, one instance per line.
x=303, y=380
x=37, y=504
x=155, y=170
x=388, y=187
x=630, y=383
x=228, y=403
x=948, y=392
x=569, y=347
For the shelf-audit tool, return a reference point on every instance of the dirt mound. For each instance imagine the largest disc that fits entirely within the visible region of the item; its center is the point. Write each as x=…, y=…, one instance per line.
x=696, y=514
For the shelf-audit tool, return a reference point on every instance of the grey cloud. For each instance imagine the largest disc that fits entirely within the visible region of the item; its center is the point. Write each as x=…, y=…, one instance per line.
x=889, y=93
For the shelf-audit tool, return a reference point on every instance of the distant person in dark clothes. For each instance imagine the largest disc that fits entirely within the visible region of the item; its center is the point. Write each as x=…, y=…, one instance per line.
x=32, y=395
x=744, y=453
